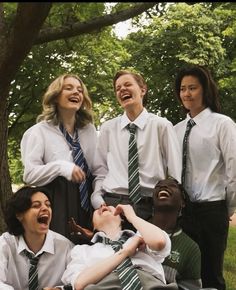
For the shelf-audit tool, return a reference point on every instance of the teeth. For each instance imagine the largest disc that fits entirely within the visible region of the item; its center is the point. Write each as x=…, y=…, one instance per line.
x=126, y=97
x=163, y=194
x=75, y=100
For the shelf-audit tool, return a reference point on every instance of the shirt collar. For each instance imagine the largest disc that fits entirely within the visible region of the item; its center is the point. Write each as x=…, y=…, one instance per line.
x=199, y=117
x=140, y=121
x=176, y=233
x=102, y=234
x=48, y=245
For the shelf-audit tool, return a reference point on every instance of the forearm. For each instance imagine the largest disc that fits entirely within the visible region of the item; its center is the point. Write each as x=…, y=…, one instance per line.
x=151, y=234
x=97, y=272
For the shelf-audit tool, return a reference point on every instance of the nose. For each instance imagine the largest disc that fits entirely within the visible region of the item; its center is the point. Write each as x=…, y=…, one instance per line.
x=186, y=92
x=75, y=91
x=122, y=89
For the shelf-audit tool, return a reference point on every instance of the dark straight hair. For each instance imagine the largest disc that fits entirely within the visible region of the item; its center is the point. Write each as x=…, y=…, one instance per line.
x=210, y=89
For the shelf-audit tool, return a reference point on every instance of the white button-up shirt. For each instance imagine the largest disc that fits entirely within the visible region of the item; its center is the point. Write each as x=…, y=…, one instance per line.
x=84, y=256
x=211, y=159
x=47, y=155
x=14, y=265
x=158, y=150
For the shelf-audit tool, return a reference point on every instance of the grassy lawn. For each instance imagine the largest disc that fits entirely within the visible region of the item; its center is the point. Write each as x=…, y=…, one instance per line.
x=230, y=260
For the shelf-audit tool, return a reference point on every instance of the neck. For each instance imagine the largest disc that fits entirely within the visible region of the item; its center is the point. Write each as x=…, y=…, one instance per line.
x=133, y=113
x=167, y=221
x=194, y=113
x=68, y=123
x=34, y=242
x=111, y=230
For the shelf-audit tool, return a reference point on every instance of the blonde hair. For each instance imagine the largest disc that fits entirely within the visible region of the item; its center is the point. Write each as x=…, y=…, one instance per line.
x=50, y=113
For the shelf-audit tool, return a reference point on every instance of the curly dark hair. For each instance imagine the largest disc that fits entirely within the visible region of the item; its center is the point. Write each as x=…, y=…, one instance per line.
x=19, y=203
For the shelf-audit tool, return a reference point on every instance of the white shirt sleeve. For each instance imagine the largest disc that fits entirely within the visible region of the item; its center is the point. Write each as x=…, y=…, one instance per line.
x=45, y=156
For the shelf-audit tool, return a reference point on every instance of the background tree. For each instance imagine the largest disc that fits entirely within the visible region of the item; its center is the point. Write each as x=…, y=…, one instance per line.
x=23, y=25
x=200, y=33
x=167, y=36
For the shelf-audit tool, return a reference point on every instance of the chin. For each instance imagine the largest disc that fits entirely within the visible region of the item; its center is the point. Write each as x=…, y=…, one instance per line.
x=165, y=208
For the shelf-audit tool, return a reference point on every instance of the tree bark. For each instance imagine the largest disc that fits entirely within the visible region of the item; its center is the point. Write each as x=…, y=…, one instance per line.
x=15, y=44
x=75, y=29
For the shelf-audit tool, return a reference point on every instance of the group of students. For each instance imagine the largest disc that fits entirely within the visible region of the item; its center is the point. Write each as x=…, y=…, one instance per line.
x=85, y=176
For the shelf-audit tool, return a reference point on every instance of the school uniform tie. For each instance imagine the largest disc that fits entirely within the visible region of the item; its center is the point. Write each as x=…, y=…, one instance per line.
x=189, y=127
x=128, y=275
x=133, y=167
x=79, y=160
x=33, y=270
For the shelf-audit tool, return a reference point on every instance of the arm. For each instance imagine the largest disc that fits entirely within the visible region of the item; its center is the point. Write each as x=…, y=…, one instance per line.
x=76, y=229
x=100, y=168
x=171, y=151
x=153, y=236
x=227, y=137
x=42, y=161
x=4, y=286
x=95, y=273
x=4, y=262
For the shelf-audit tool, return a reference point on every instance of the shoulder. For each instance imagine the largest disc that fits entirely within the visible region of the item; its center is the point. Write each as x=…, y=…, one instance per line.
x=161, y=123
x=89, y=129
x=191, y=243
x=8, y=242
x=7, y=237
x=158, y=119
x=39, y=127
x=222, y=124
x=221, y=118
x=58, y=238
x=110, y=124
x=180, y=124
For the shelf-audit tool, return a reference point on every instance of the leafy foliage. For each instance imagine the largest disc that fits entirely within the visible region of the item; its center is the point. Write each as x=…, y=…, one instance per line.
x=168, y=37
x=185, y=34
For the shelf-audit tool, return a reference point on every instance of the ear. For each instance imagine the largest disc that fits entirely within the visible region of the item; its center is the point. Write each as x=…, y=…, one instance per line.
x=19, y=216
x=143, y=90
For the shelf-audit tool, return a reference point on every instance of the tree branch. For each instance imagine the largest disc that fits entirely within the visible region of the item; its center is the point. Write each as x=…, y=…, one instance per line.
x=28, y=21
x=51, y=34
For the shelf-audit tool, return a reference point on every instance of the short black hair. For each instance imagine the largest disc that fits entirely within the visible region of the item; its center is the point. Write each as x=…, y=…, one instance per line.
x=19, y=203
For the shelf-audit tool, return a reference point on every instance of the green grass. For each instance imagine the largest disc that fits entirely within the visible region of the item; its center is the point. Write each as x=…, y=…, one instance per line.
x=230, y=260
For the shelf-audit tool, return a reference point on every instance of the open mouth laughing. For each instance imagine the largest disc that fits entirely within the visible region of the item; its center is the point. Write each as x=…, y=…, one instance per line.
x=43, y=219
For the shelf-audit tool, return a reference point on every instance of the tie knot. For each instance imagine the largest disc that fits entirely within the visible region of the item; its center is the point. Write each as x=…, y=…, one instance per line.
x=116, y=245
x=132, y=128
x=33, y=259
x=191, y=123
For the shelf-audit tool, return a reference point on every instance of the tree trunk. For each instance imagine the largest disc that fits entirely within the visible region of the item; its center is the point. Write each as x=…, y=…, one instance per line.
x=15, y=42
x=5, y=184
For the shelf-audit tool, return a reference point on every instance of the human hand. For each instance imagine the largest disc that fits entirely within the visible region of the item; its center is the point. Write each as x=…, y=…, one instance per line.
x=127, y=210
x=133, y=244
x=76, y=228
x=78, y=175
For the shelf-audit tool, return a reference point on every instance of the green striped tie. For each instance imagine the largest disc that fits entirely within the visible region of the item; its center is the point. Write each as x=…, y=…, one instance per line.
x=128, y=275
x=133, y=168
x=33, y=271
